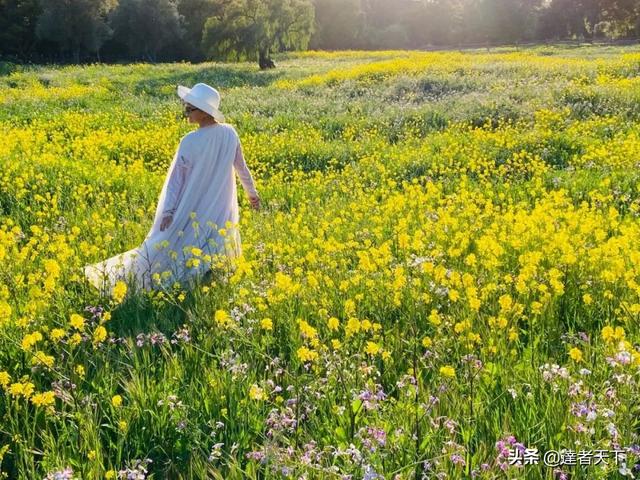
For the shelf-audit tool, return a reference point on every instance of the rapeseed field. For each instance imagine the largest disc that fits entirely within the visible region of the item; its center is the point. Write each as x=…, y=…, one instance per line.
x=444, y=273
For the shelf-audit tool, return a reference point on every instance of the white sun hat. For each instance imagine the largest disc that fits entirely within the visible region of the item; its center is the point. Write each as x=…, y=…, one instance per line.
x=204, y=97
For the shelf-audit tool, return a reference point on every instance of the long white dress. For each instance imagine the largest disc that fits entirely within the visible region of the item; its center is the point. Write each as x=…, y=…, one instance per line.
x=200, y=192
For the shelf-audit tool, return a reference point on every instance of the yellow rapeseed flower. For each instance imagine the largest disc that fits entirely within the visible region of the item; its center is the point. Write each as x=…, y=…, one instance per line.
x=56, y=334
x=256, y=393
x=333, y=323
x=77, y=321
x=575, y=354
x=372, y=348
x=5, y=378
x=43, y=399
x=24, y=389
x=307, y=330
x=222, y=318
x=353, y=326
x=99, y=334
x=42, y=358
x=30, y=340
x=434, y=317
x=610, y=334
x=119, y=291
x=306, y=355
x=448, y=371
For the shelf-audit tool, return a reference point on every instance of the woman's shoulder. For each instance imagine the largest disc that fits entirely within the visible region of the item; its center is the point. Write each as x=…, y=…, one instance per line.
x=230, y=128
x=188, y=138
x=195, y=136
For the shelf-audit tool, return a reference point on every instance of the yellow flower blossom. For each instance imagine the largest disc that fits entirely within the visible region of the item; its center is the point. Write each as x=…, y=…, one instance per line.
x=99, y=334
x=434, y=317
x=307, y=330
x=353, y=326
x=119, y=291
x=372, y=348
x=333, y=323
x=222, y=318
x=77, y=321
x=575, y=354
x=57, y=334
x=42, y=358
x=306, y=355
x=24, y=389
x=43, y=399
x=29, y=340
x=75, y=339
x=256, y=393
x=5, y=378
x=447, y=371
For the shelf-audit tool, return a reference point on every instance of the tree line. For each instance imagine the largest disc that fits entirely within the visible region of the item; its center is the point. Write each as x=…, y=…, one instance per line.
x=197, y=30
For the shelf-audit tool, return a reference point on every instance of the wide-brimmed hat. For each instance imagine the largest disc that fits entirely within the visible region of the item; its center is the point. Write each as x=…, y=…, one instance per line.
x=203, y=97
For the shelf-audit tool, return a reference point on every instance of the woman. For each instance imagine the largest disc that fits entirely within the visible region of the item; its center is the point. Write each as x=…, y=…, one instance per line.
x=197, y=212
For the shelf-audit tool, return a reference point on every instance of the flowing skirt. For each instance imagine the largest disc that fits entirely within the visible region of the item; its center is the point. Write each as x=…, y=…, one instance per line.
x=158, y=265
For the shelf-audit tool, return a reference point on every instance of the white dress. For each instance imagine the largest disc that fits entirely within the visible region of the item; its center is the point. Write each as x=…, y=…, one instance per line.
x=200, y=192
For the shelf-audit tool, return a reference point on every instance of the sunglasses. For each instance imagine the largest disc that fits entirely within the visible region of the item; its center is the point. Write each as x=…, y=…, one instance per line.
x=188, y=109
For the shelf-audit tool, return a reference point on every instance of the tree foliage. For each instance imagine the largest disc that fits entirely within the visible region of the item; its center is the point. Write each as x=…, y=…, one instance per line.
x=197, y=30
x=147, y=26
x=194, y=14
x=75, y=25
x=253, y=29
x=18, y=26
x=338, y=24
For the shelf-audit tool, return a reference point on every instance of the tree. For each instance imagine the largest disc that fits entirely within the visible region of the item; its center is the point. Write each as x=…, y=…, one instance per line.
x=252, y=29
x=433, y=22
x=18, y=20
x=338, y=25
x=75, y=25
x=507, y=21
x=194, y=14
x=573, y=18
x=147, y=27
x=621, y=18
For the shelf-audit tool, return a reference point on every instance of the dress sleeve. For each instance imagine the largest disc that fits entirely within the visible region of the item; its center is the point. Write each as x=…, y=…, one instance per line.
x=243, y=172
x=177, y=181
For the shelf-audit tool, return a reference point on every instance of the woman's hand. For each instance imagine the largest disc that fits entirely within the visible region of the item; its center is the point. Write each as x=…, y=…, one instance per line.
x=255, y=202
x=166, y=221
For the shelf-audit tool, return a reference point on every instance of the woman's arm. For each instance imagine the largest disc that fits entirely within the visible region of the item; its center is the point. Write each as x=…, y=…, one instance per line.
x=244, y=174
x=175, y=190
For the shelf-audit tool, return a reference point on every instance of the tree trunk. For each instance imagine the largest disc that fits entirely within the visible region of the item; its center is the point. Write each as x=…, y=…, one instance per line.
x=264, y=61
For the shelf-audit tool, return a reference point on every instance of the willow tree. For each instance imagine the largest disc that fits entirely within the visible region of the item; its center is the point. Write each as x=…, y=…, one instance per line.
x=147, y=27
x=254, y=29
x=75, y=25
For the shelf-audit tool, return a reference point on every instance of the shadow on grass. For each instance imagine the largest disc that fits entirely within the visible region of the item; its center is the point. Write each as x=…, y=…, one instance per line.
x=140, y=313
x=219, y=76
